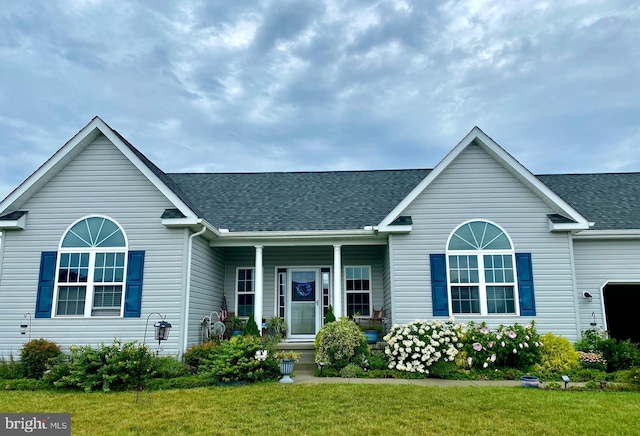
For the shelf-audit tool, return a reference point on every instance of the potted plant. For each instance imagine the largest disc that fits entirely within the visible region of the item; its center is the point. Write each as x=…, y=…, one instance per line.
x=277, y=328
x=372, y=333
x=237, y=326
x=287, y=359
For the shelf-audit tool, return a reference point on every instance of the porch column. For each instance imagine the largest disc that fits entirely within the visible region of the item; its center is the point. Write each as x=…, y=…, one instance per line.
x=337, y=281
x=259, y=291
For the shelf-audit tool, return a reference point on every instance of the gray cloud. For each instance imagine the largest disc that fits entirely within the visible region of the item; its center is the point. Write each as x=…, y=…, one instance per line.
x=302, y=85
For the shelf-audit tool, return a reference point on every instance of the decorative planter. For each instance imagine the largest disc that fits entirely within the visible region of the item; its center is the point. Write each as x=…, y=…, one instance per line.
x=286, y=368
x=372, y=336
x=529, y=381
x=236, y=333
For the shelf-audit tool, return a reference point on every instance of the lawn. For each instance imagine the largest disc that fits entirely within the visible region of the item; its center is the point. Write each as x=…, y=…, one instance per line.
x=339, y=409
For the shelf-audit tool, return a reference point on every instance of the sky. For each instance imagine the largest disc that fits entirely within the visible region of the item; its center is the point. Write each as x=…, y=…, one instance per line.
x=282, y=85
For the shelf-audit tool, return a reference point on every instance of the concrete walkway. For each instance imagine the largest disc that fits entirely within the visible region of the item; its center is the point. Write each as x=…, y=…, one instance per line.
x=304, y=377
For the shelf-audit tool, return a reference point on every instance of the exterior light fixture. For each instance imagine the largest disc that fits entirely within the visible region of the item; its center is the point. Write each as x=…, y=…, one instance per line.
x=161, y=333
x=565, y=379
x=25, y=326
x=588, y=296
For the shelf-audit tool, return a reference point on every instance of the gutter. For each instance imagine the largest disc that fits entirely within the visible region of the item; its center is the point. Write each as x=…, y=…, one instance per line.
x=188, y=290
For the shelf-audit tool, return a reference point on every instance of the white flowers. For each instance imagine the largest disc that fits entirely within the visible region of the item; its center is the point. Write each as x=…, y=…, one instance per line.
x=414, y=347
x=261, y=355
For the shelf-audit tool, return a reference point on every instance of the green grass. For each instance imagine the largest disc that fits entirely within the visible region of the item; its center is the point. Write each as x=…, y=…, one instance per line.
x=339, y=409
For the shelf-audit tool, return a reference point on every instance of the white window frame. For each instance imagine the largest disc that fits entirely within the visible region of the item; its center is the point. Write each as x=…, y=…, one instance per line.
x=347, y=292
x=482, y=284
x=253, y=289
x=90, y=285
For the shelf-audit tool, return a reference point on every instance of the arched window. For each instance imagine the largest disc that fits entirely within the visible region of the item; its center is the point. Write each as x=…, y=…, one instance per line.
x=481, y=270
x=91, y=269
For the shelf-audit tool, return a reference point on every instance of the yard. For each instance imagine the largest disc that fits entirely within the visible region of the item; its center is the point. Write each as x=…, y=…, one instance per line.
x=339, y=409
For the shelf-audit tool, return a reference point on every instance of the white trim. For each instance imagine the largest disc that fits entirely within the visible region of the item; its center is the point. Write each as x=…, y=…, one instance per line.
x=346, y=292
x=337, y=281
x=608, y=234
x=477, y=136
x=73, y=147
x=259, y=290
x=18, y=224
x=253, y=280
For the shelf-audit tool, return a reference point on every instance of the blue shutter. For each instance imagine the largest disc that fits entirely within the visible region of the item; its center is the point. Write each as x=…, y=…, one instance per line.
x=525, y=284
x=133, y=293
x=439, y=291
x=46, y=283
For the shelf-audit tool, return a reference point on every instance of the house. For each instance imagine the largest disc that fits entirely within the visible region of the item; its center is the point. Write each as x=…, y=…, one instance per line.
x=98, y=242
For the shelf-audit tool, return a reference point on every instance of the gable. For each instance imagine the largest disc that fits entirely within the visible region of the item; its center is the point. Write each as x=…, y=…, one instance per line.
x=477, y=139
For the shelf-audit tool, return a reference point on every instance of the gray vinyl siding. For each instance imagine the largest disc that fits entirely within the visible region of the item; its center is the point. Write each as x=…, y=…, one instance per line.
x=293, y=257
x=476, y=187
x=599, y=262
x=100, y=180
x=207, y=275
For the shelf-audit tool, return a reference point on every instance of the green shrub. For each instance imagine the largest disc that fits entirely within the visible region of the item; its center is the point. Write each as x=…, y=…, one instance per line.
x=170, y=367
x=619, y=355
x=330, y=317
x=557, y=356
x=35, y=355
x=114, y=367
x=237, y=359
x=553, y=386
x=252, y=328
x=196, y=355
x=592, y=360
x=442, y=369
x=632, y=377
x=24, y=384
x=340, y=343
x=377, y=360
x=519, y=346
x=11, y=369
x=351, y=371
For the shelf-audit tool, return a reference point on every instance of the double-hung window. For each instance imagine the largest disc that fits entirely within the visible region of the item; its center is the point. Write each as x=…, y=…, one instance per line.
x=91, y=269
x=481, y=269
x=245, y=292
x=358, y=290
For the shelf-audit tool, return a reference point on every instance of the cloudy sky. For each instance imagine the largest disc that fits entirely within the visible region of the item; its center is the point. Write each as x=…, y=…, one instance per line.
x=244, y=86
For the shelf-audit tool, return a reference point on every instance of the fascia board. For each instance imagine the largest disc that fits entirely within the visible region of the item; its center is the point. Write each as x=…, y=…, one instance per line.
x=395, y=229
x=505, y=159
x=52, y=165
x=146, y=171
x=18, y=224
x=608, y=234
x=567, y=227
x=320, y=237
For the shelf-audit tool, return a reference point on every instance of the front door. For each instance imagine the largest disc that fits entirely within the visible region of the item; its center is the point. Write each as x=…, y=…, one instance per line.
x=304, y=319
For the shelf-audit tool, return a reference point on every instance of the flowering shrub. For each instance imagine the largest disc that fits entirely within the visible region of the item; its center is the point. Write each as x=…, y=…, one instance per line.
x=35, y=356
x=618, y=354
x=512, y=346
x=592, y=360
x=340, y=343
x=414, y=347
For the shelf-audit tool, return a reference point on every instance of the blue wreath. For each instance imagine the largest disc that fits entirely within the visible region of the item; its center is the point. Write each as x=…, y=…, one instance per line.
x=304, y=289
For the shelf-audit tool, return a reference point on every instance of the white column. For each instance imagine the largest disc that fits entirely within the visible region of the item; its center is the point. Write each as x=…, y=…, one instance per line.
x=337, y=281
x=259, y=291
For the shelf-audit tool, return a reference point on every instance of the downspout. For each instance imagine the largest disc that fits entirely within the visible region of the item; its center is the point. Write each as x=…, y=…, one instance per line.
x=188, y=290
x=575, y=286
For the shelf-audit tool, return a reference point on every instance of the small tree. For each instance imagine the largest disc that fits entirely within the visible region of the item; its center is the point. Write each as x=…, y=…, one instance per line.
x=340, y=343
x=252, y=328
x=35, y=355
x=330, y=317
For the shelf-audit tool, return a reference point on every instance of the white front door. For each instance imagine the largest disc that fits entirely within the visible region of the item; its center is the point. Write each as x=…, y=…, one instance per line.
x=304, y=303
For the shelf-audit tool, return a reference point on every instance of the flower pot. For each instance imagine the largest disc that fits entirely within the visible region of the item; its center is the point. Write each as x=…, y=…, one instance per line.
x=236, y=333
x=529, y=381
x=372, y=336
x=286, y=368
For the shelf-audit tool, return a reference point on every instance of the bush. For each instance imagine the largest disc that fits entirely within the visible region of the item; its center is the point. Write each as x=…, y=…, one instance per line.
x=377, y=360
x=557, y=356
x=11, y=369
x=340, y=343
x=115, y=367
x=196, y=355
x=252, y=328
x=416, y=346
x=592, y=360
x=35, y=355
x=618, y=354
x=330, y=317
x=351, y=371
x=170, y=367
x=238, y=360
x=632, y=377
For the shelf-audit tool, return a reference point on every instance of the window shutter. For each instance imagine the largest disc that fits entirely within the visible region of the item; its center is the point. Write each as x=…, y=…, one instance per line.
x=133, y=294
x=46, y=282
x=439, y=291
x=525, y=284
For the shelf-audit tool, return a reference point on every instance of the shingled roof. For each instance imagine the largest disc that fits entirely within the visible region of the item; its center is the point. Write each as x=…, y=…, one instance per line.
x=333, y=200
x=611, y=200
x=337, y=200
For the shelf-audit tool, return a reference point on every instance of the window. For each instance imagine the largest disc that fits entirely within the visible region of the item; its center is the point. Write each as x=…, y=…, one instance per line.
x=481, y=259
x=245, y=291
x=91, y=269
x=358, y=290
